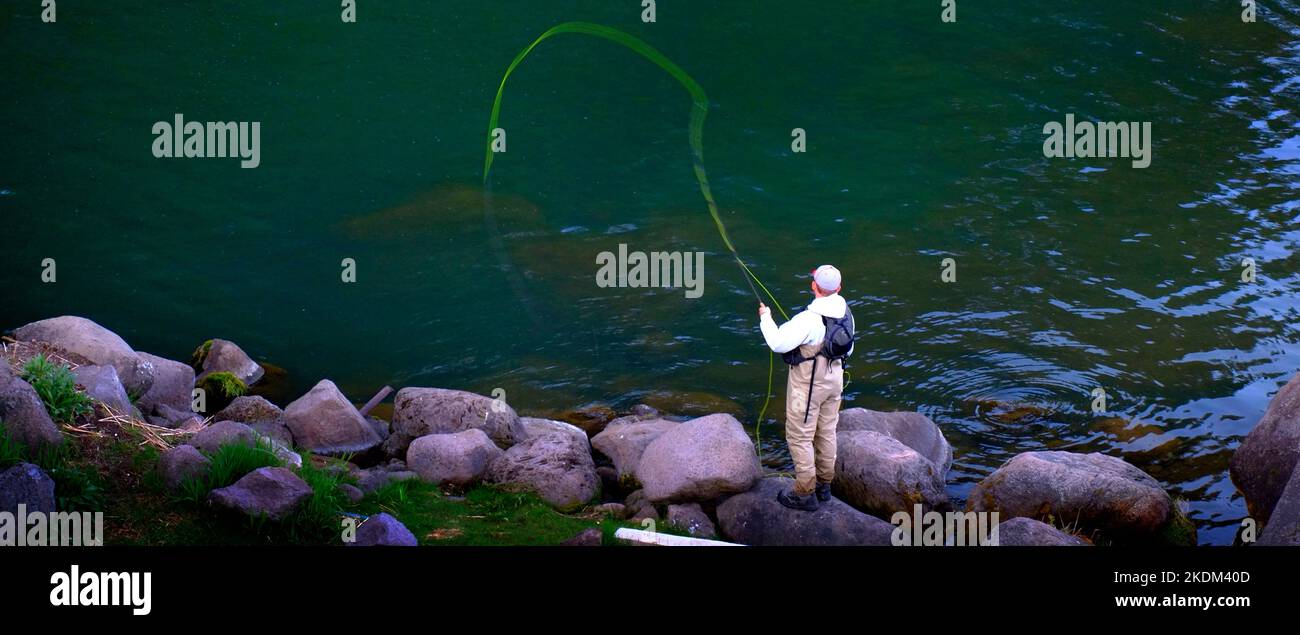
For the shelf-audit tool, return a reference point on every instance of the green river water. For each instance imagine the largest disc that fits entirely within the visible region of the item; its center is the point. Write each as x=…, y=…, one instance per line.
x=924, y=143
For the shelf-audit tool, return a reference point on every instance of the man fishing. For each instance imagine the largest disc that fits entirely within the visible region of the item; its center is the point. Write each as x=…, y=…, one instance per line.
x=814, y=343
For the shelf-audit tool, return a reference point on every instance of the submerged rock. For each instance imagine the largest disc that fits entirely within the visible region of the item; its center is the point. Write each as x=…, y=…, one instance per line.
x=1094, y=491
x=757, y=518
x=441, y=209
x=699, y=460
x=270, y=492
x=589, y=419
x=693, y=404
x=1266, y=458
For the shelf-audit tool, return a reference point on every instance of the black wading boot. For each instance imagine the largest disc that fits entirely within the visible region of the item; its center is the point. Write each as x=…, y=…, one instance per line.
x=794, y=501
x=823, y=492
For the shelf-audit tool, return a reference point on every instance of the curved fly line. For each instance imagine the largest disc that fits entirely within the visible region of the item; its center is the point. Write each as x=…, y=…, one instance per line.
x=695, y=135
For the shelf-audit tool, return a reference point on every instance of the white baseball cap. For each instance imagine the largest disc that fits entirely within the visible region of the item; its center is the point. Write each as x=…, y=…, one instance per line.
x=827, y=277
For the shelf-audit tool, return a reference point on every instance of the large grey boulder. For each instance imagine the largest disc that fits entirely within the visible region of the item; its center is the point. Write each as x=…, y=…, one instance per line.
x=1093, y=491
x=625, y=439
x=23, y=415
x=1027, y=532
x=912, y=429
x=180, y=463
x=95, y=343
x=28, y=485
x=537, y=427
x=556, y=466
x=879, y=475
x=757, y=518
x=421, y=411
x=224, y=356
x=270, y=492
x=1264, y=461
x=383, y=530
x=325, y=422
x=699, y=460
x=172, y=384
x=211, y=438
x=460, y=458
x=102, y=384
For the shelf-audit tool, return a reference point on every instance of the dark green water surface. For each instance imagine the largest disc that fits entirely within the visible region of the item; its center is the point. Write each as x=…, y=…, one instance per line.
x=924, y=142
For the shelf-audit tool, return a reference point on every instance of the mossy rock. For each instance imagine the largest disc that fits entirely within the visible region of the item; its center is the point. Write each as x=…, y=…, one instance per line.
x=200, y=354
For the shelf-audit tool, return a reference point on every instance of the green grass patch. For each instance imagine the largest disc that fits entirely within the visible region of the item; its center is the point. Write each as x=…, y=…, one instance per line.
x=118, y=476
x=11, y=452
x=231, y=462
x=319, y=519
x=485, y=516
x=77, y=486
x=57, y=387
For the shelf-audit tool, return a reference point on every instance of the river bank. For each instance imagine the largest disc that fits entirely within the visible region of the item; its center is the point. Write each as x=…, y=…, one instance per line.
x=187, y=452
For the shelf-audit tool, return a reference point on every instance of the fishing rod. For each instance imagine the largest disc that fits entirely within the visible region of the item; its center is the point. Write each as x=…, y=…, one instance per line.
x=695, y=134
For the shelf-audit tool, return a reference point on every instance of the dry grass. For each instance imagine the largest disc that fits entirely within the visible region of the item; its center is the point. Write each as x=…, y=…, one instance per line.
x=117, y=426
x=18, y=353
x=107, y=423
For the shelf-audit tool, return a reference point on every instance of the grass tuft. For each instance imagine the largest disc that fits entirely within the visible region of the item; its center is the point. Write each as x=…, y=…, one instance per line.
x=57, y=387
x=318, y=520
x=230, y=463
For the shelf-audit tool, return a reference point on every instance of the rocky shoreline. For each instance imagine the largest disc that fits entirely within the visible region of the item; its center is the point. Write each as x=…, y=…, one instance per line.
x=696, y=476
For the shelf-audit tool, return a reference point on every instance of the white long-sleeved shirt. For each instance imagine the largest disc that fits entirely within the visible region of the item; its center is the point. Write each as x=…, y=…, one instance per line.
x=804, y=328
